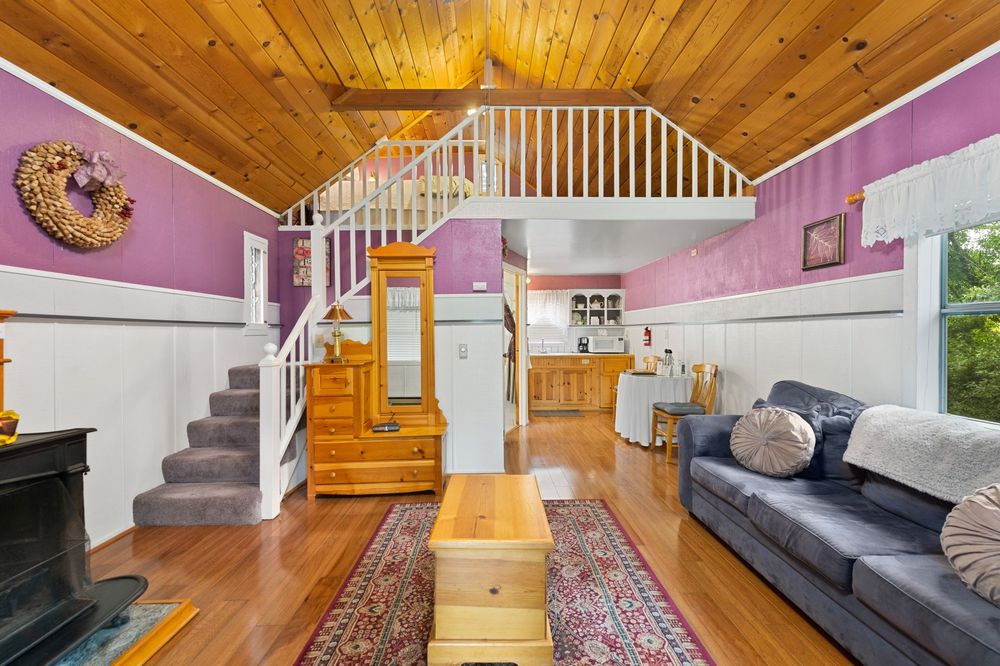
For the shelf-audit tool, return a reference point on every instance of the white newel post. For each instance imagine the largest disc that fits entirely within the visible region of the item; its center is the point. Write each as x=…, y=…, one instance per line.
x=270, y=433
x=319, y=259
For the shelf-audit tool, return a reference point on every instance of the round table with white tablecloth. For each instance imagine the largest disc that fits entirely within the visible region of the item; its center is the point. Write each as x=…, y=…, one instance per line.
x=636, y=395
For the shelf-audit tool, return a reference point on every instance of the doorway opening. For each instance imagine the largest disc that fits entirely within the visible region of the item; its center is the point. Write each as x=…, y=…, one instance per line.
x=515, y=375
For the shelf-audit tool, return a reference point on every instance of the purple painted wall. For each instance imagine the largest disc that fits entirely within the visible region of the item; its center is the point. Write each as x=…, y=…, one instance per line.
x=467, y=251
x=186, y=233
x=766, y=252
x=540, y=282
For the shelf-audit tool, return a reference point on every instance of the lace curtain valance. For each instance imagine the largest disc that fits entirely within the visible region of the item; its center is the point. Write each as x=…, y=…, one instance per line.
x=946, y=193
x=402, y=298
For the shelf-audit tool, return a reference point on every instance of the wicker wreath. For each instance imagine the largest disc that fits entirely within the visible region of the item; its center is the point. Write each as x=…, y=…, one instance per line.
x=41, y=179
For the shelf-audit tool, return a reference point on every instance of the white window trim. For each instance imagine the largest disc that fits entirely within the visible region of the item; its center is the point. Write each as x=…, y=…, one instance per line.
x=254, y=241
x=922, y=323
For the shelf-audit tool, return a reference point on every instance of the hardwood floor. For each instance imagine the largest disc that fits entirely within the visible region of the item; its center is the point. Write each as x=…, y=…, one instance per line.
x=261, y=589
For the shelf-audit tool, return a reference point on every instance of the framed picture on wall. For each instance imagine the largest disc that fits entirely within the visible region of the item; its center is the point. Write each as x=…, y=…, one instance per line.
x=823, y=243
x=302, y=263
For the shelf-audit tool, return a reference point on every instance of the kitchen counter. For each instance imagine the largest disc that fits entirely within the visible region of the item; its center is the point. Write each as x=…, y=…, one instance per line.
x=598, y=354
x=575, y=380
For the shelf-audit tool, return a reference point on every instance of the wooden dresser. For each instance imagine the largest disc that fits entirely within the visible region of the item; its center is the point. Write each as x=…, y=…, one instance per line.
x=345, y=456
x=344, y=399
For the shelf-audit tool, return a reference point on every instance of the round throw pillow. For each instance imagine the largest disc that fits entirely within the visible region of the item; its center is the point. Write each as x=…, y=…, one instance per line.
x=773, y=441
x=971, y=540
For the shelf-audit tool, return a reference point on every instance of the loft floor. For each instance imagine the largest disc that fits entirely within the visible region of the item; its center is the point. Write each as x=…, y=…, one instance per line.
x=262, y=588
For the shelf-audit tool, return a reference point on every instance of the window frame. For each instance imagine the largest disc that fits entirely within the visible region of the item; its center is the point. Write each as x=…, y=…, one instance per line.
x=947, y=310
x=251, y=326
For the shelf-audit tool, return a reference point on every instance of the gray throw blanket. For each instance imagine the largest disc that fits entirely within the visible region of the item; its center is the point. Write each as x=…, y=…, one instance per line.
x=944, y=456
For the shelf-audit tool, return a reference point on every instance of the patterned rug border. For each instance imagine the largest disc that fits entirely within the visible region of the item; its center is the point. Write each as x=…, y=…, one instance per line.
x=607, y=506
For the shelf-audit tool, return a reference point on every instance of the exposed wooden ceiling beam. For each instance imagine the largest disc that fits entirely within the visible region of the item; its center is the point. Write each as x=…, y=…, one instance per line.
x=440, y=99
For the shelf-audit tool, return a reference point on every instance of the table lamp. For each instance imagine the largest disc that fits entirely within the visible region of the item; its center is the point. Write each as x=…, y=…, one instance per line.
x=336, y=314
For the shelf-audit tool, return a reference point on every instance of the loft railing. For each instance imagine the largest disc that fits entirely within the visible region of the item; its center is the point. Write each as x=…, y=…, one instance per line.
x=553, y=151
x=404, y=190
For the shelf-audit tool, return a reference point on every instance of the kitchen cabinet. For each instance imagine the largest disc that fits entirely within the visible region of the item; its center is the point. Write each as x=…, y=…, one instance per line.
x=577, y=386
x=575, y=381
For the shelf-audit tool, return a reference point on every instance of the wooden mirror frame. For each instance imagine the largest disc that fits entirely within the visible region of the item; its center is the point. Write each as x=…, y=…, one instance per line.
x=409, y=261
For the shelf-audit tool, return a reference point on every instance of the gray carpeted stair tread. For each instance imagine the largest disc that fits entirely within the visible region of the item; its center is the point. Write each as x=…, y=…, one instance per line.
x=198, y=504
x=244, y=377
x=235, y=402
x=213, y=465
x=216, y=480
x=224, y=431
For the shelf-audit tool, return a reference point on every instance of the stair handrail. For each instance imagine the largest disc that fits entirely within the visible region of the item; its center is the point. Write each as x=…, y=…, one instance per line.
x=372, y=154
x=413, y=165
x=439, y=150
x=282, y=403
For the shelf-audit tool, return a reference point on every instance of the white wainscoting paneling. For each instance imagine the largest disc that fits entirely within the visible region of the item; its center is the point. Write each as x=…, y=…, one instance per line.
x=470, y=392
x=758, y=339
x=138, y=382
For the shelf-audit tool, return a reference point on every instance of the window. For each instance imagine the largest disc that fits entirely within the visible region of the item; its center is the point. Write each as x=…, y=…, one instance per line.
x=254, y=284
x=548, y=316
x=402, y=317
x=970, y=322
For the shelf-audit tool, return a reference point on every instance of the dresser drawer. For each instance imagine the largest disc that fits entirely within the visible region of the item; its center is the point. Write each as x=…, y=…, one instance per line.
x=326, y=450
x=332, y=381
x=373, y=472
x=341, y=407
x=332, y=428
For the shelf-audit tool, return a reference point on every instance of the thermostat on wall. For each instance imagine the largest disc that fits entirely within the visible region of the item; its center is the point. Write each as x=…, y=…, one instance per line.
x=478, y=286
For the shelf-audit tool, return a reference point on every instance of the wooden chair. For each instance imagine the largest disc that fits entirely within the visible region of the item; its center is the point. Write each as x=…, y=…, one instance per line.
x=702, y=402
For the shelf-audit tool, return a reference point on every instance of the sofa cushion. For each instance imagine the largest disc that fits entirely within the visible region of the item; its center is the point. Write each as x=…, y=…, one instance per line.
x=829, y=531
x=834, y=415
x=773, y=441
x=679, y=408
x=923, y=597
x=906, y=502
x=731, y=482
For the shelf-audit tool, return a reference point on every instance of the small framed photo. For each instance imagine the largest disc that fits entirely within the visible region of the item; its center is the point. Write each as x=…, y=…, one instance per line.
x=823, y=243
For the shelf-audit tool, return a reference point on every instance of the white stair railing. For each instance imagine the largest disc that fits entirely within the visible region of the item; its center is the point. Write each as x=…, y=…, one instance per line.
x=354, y=181
x=282, y=403
x=407, y=206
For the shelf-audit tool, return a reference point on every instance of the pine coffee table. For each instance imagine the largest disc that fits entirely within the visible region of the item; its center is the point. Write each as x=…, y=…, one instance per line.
x=490, y=540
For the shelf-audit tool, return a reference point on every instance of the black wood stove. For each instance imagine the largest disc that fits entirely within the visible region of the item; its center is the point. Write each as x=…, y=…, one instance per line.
x=48, y=604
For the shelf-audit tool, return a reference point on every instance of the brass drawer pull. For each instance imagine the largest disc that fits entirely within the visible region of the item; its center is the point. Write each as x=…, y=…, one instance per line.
x=333, y=452
x=333, y=430
x=333, y=475
x=416, y=450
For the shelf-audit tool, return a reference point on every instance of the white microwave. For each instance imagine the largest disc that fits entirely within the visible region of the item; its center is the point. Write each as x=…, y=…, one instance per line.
x=605, y=344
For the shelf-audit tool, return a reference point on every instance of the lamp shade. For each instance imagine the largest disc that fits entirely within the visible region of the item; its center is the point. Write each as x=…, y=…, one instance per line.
x=337, y=313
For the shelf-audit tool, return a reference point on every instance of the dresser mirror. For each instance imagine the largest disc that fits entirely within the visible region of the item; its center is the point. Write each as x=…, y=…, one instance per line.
x=402, y=340
x=403, y=333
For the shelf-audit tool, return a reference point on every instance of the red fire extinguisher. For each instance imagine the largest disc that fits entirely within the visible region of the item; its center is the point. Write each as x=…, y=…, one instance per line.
x=647, y=337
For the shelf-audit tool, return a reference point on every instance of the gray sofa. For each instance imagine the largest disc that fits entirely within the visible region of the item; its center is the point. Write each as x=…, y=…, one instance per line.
x=857, y=553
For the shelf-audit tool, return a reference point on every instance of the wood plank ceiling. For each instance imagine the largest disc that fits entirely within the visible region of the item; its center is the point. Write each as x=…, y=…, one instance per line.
x=243, y=88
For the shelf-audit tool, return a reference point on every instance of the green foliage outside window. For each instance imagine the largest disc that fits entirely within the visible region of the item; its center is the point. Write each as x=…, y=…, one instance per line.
x=973, y=340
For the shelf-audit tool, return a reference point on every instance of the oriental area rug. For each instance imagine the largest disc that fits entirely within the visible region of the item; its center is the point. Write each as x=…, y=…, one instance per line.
x=605, y=605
